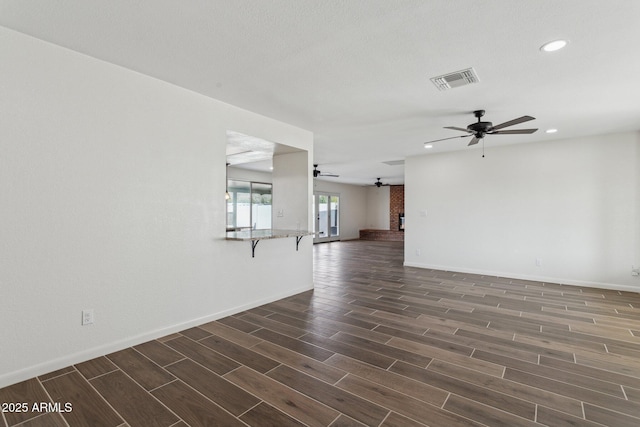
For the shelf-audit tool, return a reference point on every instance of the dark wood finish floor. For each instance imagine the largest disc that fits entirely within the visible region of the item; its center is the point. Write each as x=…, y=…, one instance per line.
x=375, y=344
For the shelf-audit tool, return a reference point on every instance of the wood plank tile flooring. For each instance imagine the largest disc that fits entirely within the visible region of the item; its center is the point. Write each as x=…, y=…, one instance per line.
x=375, y=344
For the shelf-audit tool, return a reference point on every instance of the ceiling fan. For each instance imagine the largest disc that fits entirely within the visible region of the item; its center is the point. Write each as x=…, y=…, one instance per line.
x=379, y=183
x=480, y=129
x=317, y=173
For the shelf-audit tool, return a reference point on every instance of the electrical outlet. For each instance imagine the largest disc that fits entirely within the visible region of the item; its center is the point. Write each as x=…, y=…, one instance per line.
x=418, y=252
x=538, y=262
x=635, y=271
x=87, y=317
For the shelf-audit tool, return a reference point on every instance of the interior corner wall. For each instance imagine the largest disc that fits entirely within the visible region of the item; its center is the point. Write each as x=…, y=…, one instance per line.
x=562, y=211
x=353, y=206
x=112, y=187
x=378, y=200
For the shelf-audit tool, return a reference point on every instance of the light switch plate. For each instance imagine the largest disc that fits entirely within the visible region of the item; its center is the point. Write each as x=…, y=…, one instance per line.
x=87, y=317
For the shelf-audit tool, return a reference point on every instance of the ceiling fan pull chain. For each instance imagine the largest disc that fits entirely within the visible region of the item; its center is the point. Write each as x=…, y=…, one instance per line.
x=483, y=148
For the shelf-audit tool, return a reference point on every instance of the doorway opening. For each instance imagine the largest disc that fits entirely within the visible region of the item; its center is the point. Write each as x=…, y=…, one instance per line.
x=326, y=214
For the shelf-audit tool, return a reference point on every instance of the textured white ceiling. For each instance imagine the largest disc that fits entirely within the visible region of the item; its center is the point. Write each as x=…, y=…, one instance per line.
x=356, y=72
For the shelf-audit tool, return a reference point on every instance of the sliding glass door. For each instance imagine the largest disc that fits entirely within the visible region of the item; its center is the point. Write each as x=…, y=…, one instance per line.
x=327, y=217
x=248, y=205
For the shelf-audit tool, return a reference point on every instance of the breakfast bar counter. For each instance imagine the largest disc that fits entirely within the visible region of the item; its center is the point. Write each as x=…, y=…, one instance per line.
x=254, y=236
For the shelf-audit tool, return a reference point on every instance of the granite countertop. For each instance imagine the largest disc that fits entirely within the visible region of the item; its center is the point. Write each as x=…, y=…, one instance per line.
x=266, y=234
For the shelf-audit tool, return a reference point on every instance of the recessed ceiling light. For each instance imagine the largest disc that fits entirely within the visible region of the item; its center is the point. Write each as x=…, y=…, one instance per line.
x=428, y=145
x=551, y=130
x=553, y=45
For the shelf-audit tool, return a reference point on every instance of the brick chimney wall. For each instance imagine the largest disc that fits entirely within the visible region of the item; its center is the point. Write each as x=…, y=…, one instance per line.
x=396, y=206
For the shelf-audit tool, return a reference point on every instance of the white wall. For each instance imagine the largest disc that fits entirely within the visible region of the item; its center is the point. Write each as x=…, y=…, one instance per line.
x=249, y=175
x=353, y=206
x=291, y=191
x=378, y=207
x=636, y=245
x=112, y=198
x=573, y=204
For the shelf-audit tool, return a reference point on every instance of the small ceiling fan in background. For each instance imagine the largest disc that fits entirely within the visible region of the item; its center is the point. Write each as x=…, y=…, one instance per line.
x=379, y=183
x=480, y=129
x=317, y=173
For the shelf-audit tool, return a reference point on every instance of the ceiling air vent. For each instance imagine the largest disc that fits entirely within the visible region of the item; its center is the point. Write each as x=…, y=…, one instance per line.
x=457, y=79
x=394, y=162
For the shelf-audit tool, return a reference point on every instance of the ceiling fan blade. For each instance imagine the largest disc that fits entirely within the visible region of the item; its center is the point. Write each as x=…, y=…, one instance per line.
x=444, y=139
x=513, y=122
x=513, y=131
x=474, y=141
x=329, y=174
x=457, y=128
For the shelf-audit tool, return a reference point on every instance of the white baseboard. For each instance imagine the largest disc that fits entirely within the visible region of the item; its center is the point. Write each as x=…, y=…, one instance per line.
x=558, y=280
x=82, y=356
